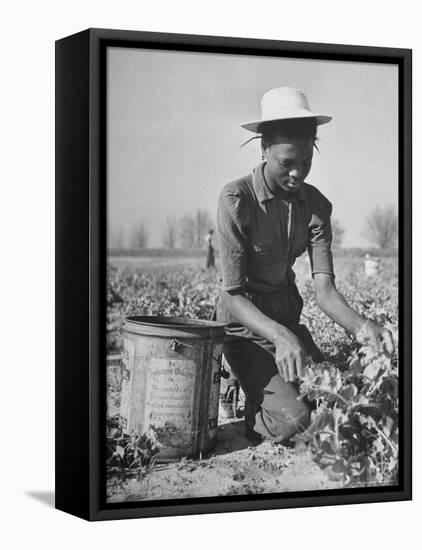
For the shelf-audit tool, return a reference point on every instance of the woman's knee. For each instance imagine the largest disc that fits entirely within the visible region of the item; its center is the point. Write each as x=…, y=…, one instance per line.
x=283, y=424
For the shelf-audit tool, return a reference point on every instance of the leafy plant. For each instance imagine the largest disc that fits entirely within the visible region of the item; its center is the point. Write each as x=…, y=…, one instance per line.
x=128, y=454
x=353, y=433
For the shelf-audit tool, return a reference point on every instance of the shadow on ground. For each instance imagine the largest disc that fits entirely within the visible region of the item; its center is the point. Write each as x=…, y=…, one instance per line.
x=45, y=497
x=231, y=437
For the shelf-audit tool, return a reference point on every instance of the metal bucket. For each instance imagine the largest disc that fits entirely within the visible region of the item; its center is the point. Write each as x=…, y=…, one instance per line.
x=171, y=370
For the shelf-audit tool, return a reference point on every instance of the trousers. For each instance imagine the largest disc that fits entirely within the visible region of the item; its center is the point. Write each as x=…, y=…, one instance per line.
x=273, y=409
x=210, y=262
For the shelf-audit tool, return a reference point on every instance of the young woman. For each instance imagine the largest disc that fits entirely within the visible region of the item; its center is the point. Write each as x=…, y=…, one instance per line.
x=265, y=221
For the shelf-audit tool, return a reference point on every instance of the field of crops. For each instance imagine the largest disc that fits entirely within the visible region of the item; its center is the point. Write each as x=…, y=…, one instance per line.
x=353, y=436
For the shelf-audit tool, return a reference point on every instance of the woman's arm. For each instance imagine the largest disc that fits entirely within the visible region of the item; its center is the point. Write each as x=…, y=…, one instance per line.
x=335, y=306
x=290, y=354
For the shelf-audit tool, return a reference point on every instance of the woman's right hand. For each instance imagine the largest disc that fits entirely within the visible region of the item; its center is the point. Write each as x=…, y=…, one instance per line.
x=290, y=355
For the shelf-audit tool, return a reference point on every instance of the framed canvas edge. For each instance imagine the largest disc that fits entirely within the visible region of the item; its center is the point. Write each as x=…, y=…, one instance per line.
x=72, y=304
x=99, y=40
x=193, y=42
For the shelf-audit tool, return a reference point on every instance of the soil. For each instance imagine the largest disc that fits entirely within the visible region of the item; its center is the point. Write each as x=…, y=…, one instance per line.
x=234, y=468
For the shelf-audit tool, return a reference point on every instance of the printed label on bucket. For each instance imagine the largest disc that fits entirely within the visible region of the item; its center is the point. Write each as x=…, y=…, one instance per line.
x=169, y=401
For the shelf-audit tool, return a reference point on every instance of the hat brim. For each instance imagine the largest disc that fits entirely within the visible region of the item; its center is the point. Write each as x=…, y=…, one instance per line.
x=254, y=125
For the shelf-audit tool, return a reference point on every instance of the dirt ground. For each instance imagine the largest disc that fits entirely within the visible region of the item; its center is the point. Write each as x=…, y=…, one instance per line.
x=233, y=468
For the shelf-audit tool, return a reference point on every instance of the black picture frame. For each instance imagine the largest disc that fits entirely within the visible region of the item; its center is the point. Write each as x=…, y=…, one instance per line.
x=81, y=273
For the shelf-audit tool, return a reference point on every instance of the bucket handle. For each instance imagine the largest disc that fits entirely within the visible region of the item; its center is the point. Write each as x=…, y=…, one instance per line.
x=174, y=345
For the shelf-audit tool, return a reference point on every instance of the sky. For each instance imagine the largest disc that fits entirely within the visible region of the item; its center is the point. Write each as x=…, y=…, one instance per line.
x=174, y=135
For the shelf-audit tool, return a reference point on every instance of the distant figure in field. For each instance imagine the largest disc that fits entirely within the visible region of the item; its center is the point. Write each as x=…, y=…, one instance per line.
x=210, y=249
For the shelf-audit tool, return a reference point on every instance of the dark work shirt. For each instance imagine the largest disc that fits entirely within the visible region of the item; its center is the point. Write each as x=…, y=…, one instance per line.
x=261, y=234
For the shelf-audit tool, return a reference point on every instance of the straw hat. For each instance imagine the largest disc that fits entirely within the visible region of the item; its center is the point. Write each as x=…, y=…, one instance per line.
x=283, y=104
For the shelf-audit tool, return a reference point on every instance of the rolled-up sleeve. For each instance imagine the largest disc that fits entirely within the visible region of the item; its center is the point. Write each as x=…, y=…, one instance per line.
x=231, y=236
x=320, y=235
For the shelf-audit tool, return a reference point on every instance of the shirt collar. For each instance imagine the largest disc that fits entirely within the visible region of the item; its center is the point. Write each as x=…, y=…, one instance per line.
x=264, y=193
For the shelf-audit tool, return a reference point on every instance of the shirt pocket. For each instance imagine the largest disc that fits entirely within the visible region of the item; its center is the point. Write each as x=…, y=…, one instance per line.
x=265, y=252
x=300, y=239
x=299, y=246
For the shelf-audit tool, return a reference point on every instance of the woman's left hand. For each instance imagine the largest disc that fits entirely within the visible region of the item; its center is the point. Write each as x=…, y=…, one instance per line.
x=377, y=336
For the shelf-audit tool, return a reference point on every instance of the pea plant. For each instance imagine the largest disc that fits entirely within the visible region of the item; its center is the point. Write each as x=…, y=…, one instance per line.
x=128, y=455
x=353, y=433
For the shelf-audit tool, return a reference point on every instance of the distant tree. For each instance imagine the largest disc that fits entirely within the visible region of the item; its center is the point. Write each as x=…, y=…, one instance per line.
x=139, y=236
x=194, y=227
x=338, y=233
x=170, y=232
x=381, y=227
x=117, y=239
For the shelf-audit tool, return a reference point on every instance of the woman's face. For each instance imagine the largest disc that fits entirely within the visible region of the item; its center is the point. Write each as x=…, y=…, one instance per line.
x=288, y=163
